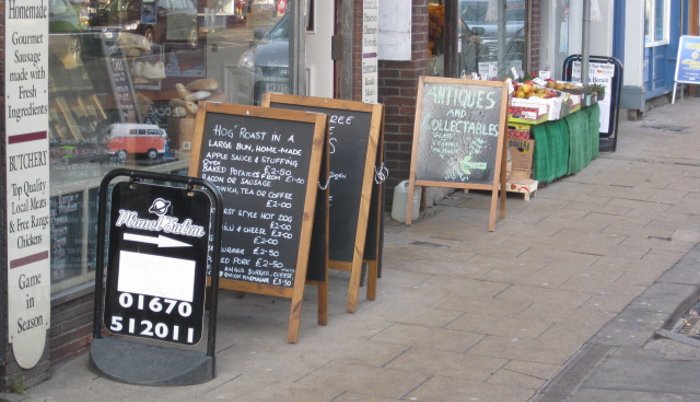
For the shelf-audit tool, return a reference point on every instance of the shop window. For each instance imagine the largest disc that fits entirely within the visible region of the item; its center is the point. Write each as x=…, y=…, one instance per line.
x=656, y=22
x=125, y=77
x=478, y=34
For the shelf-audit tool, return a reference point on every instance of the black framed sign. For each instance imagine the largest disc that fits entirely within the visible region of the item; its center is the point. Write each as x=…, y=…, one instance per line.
x=156, y=275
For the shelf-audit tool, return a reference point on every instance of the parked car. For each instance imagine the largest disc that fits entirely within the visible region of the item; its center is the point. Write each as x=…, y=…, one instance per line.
x=268, y=59
x=157, y=20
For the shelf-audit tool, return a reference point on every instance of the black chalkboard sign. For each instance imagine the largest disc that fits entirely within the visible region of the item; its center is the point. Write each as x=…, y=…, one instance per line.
x=459, y=135
x=266, y=164
x=66, y=236
x=122, y=86
x=353, y=131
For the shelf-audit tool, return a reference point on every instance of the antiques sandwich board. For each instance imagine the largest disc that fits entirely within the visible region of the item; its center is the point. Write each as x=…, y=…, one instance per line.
x=353, y=133
x=266, y=164
x=459, y=138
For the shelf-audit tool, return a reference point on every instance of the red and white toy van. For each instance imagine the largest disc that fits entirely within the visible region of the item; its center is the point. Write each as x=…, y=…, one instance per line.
x=124, y=139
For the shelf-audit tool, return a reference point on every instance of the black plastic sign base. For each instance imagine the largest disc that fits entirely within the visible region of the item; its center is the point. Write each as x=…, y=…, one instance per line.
x=142, y=364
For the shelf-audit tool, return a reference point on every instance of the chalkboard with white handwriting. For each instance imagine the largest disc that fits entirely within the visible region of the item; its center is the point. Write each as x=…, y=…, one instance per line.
x=266, y=165
x=458, y=128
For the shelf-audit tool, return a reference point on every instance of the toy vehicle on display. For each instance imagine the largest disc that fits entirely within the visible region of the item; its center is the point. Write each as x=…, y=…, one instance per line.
x=124, y=139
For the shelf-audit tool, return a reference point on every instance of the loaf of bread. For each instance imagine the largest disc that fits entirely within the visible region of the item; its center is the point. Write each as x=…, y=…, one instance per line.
x=204, y=84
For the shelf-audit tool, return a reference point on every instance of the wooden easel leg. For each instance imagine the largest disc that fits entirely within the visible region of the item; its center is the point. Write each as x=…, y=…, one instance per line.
x=503, y=179
x=354, y=286
x=322, y=288
x=294, y=319
x=494, y=206
x=372, y=275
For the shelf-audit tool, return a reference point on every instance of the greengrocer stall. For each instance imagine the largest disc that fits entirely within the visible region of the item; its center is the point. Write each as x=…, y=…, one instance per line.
x=558, y=123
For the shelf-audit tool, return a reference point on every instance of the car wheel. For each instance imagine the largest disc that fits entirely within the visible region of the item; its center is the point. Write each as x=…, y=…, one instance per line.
x=152, y=154
x=149, y=35
x=121, y=155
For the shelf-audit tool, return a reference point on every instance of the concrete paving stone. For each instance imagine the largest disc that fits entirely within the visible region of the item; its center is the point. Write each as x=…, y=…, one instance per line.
x=447, y=364
x=458, y=268
x=482, y=305
x=663, y=256
x=537, y=370
x=591, y=282
x=357, y=397
x=630, y=328
x=566, y=224
x=650, y=374
x=567, y=316
x=435, y=338
x=473, y=287
x=512, y=273
x=531, y=294
x=527, y=349
x=610, y=249
x=400, y=279
x=613, y=262
x=513, y=379
x=687, y=205
x=655, y=243
x=366, y=380
x=490, y=325
x=601, y=208
x=292, y=393
x=412, y=312
x=686, y=235
x=622, y=287
x=641, y=277
x=609, y=303
x=605, y=395
x=538, y=278
x=549, y=250
x=439, y=389
x=510, y=248
x=664, y=297
x=637, y=228
x=347, y=349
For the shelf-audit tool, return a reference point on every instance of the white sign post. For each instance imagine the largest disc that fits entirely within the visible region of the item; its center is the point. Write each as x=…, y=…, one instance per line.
x=27, y=171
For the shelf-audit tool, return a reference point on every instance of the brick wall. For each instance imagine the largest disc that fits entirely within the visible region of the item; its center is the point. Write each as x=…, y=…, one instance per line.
x=398, y=84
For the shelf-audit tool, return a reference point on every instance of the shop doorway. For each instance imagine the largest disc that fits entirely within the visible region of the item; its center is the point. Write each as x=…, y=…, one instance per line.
x=660, y=45
x=320, y=28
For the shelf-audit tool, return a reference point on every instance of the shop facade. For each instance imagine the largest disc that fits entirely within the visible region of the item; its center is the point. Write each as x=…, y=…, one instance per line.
x=135, y=69
x=643, y=36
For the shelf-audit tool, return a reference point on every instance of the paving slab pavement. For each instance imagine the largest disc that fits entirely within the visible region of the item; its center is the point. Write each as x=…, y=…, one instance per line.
x=561, y=302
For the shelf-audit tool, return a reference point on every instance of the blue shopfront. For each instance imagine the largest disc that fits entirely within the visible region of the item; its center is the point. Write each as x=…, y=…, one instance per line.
x=646, y=38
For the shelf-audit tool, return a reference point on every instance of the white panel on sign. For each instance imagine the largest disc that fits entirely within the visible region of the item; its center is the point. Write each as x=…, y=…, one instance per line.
x=155, y=275
x=395, y=30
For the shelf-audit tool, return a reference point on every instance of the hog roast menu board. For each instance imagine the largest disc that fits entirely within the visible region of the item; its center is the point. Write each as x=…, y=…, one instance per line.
x=458, y=137
x=353, y=133
x=266, y=164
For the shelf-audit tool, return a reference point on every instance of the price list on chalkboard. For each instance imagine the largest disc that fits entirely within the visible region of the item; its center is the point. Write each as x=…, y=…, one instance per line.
x=124, y=95
x=66, y=236
x=261, y=166
x=459, y=131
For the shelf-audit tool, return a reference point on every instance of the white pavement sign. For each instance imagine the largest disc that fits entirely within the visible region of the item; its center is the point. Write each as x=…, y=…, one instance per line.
x=27, y=152
x=598, y=73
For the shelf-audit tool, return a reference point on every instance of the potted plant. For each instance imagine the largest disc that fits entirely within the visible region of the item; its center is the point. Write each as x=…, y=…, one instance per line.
x=598, y=89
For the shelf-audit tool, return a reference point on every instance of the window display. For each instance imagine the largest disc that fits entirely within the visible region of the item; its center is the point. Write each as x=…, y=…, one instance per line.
x=125, y=81
x=478, y=37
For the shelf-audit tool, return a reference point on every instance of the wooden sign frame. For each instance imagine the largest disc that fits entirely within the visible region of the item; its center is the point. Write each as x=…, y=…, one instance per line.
x=355, y=266
x=499, y=175
x=296, y=292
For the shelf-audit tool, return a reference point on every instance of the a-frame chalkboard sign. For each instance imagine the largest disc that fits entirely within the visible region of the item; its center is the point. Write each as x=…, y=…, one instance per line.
x=353, y=131
x=459, y=138
x=266, y=164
